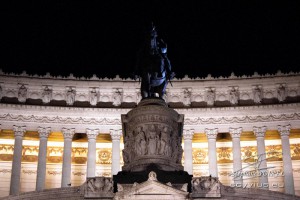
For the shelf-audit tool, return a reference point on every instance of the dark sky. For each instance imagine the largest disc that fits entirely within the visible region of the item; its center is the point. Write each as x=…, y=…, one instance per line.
x=97, y=37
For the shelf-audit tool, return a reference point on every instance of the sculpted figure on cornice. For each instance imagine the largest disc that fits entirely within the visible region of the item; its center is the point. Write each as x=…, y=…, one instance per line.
x=46, y=94
x=187, y=95
x=100, y=184
x=281, y=93
x=210, y=96
x=117, y=97
x=1, y=92
x=70, y=96
x=22, y=94
x=138, y=95
x=233, y=96
x=93, y=97
x=206, y=186
x=257, y=94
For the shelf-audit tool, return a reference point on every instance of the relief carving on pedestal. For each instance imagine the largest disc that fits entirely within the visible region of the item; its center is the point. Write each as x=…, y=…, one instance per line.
x=152, y=139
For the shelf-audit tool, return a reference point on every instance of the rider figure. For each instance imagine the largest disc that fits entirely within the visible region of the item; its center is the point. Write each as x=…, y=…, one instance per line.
x=154, y=67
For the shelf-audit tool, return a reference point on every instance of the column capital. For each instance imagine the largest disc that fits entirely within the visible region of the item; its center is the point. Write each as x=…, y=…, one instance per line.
x=44, y=131
x=211, y=133
x=259, y=131
x=115, y=134
x=68, y=133
x=188, y=134
x=92, y=133
x=19, y=130
x=235, y=132
x=284, y=130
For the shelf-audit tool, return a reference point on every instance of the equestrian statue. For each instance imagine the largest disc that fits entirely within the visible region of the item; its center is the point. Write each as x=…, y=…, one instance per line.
x=153, y=66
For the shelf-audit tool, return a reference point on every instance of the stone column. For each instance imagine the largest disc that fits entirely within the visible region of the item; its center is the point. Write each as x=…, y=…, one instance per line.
x=115, y=136
x=236, y=148
x=17, y=159
x=259, y=132
x=287, y=161
x=66, y=167
x=212, y=153
x=188, y=151
x=41, y=168
x=91, y=157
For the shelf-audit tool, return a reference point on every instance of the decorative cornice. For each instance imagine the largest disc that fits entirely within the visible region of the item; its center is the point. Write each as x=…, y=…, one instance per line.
x=259, y=131
x=59, y=120
x=92, y=133
x=44, y=131
x=188, y=134
x=115, y=134
x=68, y=133
x=211, y=133
x=284, y=130
x=235, y=132
x=19, y=130
x=242, y=119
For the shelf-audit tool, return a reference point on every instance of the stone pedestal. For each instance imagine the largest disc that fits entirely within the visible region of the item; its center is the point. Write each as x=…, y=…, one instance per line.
x=152, y=133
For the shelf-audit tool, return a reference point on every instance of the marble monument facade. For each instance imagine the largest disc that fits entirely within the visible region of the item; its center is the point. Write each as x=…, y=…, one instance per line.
x=57, y=131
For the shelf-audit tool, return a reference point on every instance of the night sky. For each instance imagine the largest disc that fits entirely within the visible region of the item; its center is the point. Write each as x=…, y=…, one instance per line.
x=97, y=37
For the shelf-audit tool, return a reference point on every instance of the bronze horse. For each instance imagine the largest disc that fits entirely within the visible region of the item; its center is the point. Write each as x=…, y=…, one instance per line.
x=153, y=66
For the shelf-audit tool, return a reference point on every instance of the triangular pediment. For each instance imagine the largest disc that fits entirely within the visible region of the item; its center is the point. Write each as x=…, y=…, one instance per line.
x=155, y=189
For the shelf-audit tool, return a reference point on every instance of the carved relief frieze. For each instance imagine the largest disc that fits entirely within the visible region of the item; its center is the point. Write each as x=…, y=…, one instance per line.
x=200, y=156
x=105, y=174
x=5, y=171
x=295, y=151
x=79, y=155
x=30, y=153
x=29, y=172
x=225, y=173
x=224, y=155
x=78, y=173
x=104, y=156
x=6, y=152
x=198, y=173
x=54, y=154
x=54, y=172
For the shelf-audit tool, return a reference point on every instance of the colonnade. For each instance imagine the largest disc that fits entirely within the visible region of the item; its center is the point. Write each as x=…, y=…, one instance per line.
x=261, y=166
x=211, y=134
x=68, y=134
